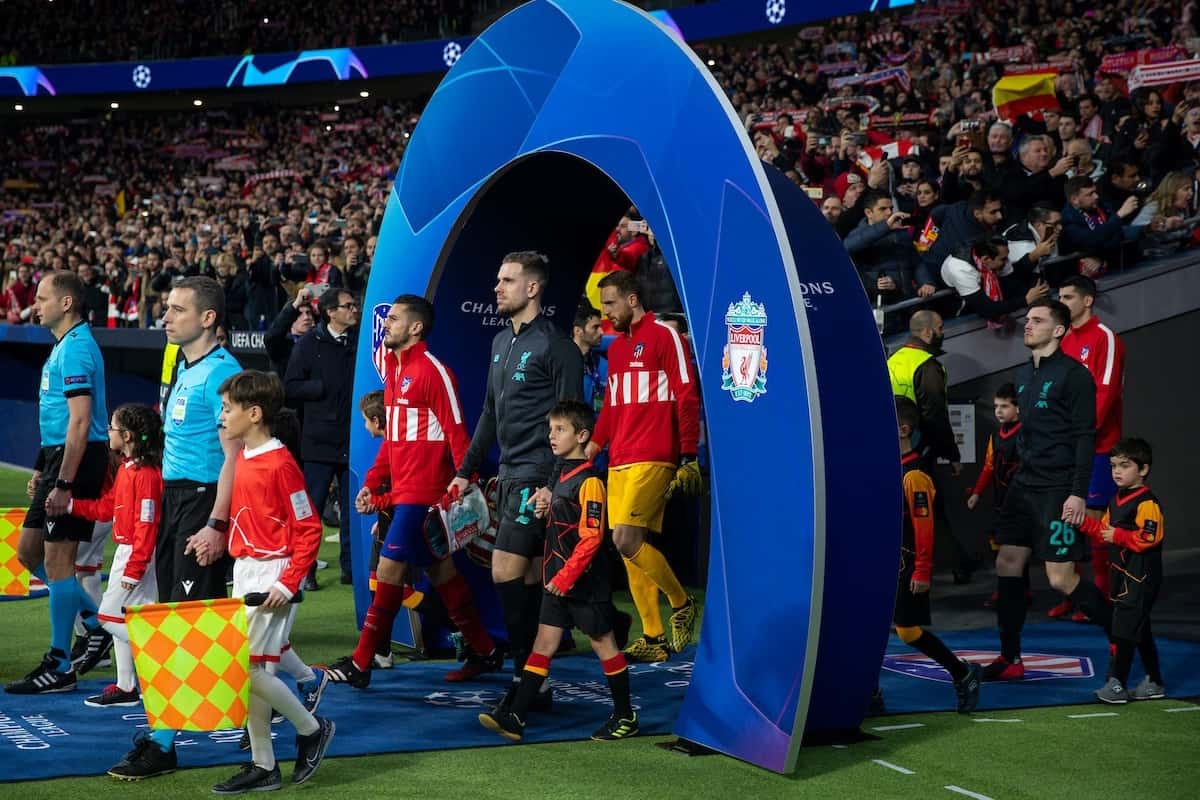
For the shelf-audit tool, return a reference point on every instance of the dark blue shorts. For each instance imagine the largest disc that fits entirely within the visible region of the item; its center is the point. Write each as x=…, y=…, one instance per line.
x=406, y=540
x=1101, y=489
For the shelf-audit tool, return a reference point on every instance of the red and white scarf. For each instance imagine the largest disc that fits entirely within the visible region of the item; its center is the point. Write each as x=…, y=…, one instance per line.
x=991, y=287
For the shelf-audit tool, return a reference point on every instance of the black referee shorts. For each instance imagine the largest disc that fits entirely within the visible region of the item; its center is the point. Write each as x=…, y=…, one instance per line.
x=89, y=482
x=912, y=610
x=186, y=507
x=594, y=619
x=1033, y=518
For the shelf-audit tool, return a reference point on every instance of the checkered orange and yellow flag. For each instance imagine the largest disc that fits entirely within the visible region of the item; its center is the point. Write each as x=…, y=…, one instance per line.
x=14, y=578
x=193, y=663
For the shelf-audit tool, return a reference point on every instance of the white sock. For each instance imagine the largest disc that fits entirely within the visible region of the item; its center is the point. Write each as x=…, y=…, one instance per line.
x=258, y=724
x=123, y=655
x=293, y=665
x=279, y=697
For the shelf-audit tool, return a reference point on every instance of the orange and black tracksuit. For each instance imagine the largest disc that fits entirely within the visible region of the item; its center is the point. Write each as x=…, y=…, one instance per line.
x=1136, y=562
x=1000, y=463
x=574, y=556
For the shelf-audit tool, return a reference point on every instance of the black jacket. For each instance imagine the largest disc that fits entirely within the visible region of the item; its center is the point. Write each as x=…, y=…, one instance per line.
x=320, y=380
x=937, y=435
x=278, y=339
x=1058, y=424
x=956, y=226
x=528, y=373
x=878, y=252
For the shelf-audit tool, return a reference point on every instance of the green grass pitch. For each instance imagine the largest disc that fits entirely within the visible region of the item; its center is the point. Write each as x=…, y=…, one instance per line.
x=1145, y=750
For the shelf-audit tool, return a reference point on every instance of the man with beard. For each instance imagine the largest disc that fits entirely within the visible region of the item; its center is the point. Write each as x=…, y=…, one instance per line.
x=964, y=176
x=651, y=425
x=533, y=366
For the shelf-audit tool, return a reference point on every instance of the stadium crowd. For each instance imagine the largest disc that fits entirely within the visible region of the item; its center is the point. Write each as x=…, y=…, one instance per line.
x=113, y=30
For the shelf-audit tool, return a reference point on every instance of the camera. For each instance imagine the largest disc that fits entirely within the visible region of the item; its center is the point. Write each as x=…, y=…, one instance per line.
x=972, y=125
x=859, y=139
x=1143, y=188
x=823, y=141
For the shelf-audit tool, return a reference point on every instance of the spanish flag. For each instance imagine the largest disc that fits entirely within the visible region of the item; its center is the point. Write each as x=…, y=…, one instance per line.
x=1015, y=95
x=193, y=663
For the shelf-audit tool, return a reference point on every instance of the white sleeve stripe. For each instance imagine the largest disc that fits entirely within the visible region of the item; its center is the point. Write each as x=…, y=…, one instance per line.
x=683, y=372
x=1110, y=356
x=449, y=384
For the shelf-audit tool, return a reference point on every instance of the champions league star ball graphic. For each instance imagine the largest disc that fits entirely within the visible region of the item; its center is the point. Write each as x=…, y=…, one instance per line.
x=451, y=53
x=776, y=11
x=141, y=76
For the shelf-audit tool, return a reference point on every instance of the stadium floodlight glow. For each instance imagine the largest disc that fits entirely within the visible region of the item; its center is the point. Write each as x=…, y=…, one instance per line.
x=19, y=107
x=114, y=105
x=712, y=63
x=328, y=127
x=197, y=102
x=364, y=93
x=266, y=21
x=337, y=108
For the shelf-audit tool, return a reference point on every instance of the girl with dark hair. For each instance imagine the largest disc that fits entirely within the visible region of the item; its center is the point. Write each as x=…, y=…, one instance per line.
x=132, y=502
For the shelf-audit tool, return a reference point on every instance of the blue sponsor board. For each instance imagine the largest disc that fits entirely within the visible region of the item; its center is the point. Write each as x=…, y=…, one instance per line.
x=805, y=501
x=691, y=23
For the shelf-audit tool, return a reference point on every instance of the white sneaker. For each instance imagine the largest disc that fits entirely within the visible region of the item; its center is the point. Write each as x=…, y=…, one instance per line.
x=384, y=662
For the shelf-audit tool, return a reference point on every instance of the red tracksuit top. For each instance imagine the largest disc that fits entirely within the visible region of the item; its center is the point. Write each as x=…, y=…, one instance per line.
x=271, y=514
x=425, y=435
x=132, y=502
x=1094, y=345
x=652, y=409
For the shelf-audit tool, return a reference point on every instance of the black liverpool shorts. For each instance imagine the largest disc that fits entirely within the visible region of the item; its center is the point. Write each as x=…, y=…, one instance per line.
x=594, y=619
x=521, y=532
x=186, y=507
x=1033, y=518
x=89, y=485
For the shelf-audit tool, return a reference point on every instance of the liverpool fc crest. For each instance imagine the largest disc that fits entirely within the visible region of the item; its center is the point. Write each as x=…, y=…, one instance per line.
x=744, y=363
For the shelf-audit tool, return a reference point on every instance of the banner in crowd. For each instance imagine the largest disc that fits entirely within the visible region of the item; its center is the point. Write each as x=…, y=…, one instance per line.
x=14, y=578
x=872, y=155
x=864, y=102
x=1163, y=74
x=1122, y=63
x=1016, y=53
x=193, y=663
x=898, y=74
x=1015, y=95
x=837, y=67
x=898, y=120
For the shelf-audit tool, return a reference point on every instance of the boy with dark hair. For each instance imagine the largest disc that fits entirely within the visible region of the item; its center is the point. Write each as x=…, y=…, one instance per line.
x=274, y=536
x=576, y=579
x=1133, y=526
x=1000, y=464
x=916, y=566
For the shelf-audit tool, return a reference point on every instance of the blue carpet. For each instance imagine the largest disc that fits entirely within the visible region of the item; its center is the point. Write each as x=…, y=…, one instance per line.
x=1064, y=664
x=408, y=708
x=56, y=735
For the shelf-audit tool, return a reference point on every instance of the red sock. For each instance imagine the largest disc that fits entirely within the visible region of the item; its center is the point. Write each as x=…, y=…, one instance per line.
x=378, y=624
x=1100, y=573
x=456, y=596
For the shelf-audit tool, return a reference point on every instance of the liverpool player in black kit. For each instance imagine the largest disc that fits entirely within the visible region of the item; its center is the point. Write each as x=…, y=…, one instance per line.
x=1044, y=509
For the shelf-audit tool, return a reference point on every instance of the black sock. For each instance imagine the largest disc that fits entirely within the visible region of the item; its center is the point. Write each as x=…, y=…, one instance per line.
x=512, y=599
x=936, y=649
x=618, y=684
x=1148, y=650
x=527, y=689
x=1122, y=660
x=1010, y=614
x=533, y=611
x=1089, y=599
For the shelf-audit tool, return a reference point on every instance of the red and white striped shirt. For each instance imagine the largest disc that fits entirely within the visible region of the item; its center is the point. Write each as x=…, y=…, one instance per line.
x=652, y=409
x=271, y=514
x=1094, y=345
x=425, y=432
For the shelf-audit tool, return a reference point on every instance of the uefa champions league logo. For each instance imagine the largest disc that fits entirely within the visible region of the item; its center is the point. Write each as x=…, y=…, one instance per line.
x=776, y=11
x=141, y=76
x=451, y=53
x=744, y=361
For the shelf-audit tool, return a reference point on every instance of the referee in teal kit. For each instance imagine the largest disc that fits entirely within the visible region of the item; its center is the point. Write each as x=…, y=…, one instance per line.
x=197, y=481
x=73, y=462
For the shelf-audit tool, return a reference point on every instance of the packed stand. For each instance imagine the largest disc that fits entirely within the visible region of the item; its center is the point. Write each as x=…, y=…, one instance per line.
x=114, y=30
x=266, y=201
x=890, y=123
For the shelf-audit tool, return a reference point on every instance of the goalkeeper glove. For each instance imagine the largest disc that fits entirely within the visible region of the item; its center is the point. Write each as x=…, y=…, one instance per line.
x=688, y=479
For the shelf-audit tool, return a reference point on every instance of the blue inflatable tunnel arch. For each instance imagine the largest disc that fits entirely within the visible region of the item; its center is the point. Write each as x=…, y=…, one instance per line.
x=551, y=123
